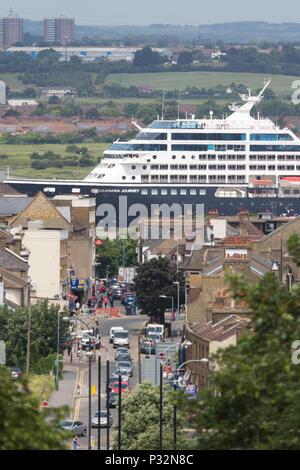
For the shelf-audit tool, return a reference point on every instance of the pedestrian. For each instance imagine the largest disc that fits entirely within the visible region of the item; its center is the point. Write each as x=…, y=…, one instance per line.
x=111, y=301
x=105, y=302
x=79, y=355
x=76, y=443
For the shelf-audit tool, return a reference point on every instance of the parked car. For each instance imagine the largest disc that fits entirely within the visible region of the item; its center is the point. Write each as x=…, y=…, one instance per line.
x=88, y=342
x=16, y=372
x=121, y=339
x=112, y=332
x=103, y=419
x=77, y=427
x=112, y=399
x=120, y=351
x=125, y=366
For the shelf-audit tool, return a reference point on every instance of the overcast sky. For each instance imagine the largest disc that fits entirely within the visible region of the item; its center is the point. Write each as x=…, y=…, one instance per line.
x=145, y=12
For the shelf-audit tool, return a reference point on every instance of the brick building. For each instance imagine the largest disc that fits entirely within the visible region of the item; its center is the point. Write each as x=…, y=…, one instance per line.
x=59, y=30
x=11, y=30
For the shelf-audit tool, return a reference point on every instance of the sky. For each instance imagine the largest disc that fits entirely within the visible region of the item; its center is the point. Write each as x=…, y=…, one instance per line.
x=143, y=12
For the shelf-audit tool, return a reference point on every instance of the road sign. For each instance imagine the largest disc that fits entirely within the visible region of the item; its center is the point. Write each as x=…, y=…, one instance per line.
x=191, y=391
x=169, y=349
x=162, y=356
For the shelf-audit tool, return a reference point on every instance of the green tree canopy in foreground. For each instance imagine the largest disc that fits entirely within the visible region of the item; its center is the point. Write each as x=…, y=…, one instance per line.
x=24, y=426
x=257, y=386
x=140, y=419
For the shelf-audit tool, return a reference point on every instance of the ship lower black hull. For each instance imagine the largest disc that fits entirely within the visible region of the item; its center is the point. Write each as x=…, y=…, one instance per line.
x=125, y=198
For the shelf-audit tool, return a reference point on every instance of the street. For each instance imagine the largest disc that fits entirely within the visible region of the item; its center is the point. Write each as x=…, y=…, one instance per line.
x=80, y=406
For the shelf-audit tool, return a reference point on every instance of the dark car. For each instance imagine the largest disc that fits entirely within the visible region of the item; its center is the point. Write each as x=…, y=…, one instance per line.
x=112, y=399
x=123, y=357
x=121, y=351
x=15, y=372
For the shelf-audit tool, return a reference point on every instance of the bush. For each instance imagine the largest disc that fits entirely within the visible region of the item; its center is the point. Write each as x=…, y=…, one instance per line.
x=44, y=365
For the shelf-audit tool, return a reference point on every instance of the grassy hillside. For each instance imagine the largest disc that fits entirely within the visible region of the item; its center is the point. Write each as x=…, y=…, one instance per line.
x=19, y=161
x=280, y=84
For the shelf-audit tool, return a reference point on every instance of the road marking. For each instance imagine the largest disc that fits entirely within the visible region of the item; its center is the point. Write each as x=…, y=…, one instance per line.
x=77, y=406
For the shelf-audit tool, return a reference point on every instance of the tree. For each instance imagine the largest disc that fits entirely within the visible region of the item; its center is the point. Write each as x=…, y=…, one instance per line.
x=146, y=56
x=154, y=278
x=110, y=253
x=23, y=425
x=140, y=419
x=184, y=58
x=13, y=330
x=257, y=386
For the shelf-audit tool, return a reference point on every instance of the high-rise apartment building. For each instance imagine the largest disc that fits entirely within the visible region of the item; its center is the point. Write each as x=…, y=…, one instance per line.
x=59, y=30
x=11, y=30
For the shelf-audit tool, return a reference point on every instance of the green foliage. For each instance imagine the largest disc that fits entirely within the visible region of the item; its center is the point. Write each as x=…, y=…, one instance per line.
x=110, y=253
x=13, y=330
x=24, y=425
x=140, y=419
x=154, y=278
x=145, y=57
x=257, y=386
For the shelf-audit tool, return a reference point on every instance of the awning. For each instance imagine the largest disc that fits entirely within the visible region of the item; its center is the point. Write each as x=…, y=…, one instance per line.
x=73, y=296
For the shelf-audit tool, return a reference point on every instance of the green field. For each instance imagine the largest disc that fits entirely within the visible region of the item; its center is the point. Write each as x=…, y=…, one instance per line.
x=280, y=84
x=19, y=161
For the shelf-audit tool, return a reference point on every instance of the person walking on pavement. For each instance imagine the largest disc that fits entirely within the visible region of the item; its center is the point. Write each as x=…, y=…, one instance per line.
x=79, y=355
x=105, y=302
x=111, y=300
x=76, y=443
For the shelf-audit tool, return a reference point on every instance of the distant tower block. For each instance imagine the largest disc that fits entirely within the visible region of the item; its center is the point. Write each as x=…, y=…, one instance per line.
x=2, y=93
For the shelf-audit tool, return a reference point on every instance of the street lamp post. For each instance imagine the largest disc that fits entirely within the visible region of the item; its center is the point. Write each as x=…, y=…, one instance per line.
x=178, y=306
x=57, y=356
x=172, y=298
x=89, y=355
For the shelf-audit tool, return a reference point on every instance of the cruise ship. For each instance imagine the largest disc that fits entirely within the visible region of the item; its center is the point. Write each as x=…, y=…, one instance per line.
x=240, y=162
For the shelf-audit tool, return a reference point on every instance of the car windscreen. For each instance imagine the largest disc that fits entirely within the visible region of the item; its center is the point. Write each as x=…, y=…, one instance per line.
x=121, y=334
x=124, y=364
x=67, y=423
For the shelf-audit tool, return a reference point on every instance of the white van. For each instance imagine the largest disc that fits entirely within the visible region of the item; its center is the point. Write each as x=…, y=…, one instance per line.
x=112, y=332
x=121, y=339
x=155, y=328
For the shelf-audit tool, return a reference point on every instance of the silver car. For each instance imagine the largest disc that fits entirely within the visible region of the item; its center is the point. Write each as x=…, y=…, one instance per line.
x=125, y=366
x=78, y=428
x=123, y=373
x=103, y=419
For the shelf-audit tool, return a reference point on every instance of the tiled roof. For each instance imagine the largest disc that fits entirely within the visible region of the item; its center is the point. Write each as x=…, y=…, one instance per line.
x=221, y=330
x=41, y=208
x=11, y=280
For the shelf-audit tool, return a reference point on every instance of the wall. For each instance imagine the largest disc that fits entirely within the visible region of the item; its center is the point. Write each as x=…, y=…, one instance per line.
x=44, y=261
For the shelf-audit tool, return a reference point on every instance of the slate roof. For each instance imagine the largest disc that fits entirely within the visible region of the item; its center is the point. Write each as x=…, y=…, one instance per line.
x=12, y=262
x=13, y=205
